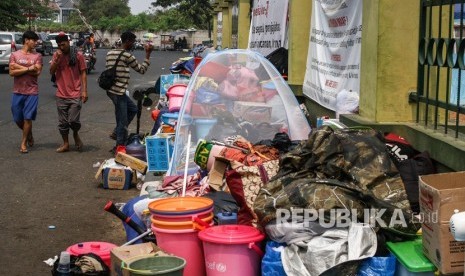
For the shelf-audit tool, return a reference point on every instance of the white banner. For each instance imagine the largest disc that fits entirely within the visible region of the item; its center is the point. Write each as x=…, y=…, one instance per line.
x=268, y=29
x=219, y=30
x=333, y=61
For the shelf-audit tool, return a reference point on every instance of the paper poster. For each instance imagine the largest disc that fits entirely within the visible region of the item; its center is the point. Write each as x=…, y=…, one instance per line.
x=268, y=29
x=333, y=61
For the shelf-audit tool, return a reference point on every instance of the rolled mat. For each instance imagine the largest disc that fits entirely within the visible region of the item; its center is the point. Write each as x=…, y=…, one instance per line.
x=202, y=152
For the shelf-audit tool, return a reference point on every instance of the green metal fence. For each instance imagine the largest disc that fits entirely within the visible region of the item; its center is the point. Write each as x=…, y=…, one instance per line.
x=440, y=95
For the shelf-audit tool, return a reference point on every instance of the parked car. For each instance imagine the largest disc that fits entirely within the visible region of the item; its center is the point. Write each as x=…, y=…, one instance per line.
x=44, y=45
x=52, y=37
x=9, y=42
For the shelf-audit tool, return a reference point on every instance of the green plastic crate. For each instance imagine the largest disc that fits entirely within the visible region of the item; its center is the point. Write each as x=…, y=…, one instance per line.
x=410, y=257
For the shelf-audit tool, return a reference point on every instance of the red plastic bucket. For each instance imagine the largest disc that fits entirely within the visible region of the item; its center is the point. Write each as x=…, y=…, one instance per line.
x=232, y=250
x=175, y=95
x=185, y=244
x=102, y=249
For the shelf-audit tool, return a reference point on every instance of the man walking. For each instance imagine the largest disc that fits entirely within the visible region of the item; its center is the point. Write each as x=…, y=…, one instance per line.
x=25, y=66
x=125, y=108
x=69, y=67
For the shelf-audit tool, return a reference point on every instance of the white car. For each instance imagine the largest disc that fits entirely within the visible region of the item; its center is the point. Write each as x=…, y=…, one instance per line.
x=52, y=36
x=9, y=42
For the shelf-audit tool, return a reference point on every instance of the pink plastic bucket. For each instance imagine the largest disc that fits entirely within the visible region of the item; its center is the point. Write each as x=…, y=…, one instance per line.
x=185, y=244
x=232, y=250
x=175, y=95
x=102, y=249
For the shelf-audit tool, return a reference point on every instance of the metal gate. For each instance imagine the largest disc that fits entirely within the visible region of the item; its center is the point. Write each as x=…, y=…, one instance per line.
x=440, y=96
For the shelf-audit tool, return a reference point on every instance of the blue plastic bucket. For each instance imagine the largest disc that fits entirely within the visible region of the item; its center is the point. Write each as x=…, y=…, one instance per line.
x=170, y=118
x=203, y=126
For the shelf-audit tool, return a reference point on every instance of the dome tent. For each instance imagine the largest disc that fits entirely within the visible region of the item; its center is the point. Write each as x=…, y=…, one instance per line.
x=235, y=92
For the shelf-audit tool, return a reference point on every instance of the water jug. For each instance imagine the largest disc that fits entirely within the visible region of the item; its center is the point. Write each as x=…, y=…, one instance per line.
x=135, y=148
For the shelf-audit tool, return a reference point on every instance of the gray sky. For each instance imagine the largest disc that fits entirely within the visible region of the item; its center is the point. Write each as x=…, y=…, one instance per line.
x=138, y=6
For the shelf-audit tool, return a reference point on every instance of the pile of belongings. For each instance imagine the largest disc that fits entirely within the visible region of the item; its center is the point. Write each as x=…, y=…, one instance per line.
x=333, y=200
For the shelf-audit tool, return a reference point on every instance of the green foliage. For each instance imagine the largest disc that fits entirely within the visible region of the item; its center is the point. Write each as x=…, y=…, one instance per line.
x=197, y=12
x=13, y=12
x=174, y=15
x=94, y=10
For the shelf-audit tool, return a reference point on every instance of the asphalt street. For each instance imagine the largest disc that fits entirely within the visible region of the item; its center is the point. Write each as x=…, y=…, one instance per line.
x=51, y=200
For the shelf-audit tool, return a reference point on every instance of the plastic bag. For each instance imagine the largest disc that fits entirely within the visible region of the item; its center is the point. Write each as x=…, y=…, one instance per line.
x=271, y=262
x=347, y=102
x=76, y=269
x=378, y=266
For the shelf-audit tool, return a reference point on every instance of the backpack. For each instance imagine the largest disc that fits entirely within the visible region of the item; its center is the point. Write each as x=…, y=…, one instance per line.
x=108, y=77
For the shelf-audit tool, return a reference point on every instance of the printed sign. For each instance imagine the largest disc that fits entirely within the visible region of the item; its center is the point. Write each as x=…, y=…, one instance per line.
x=333, y=61
x=268, y=30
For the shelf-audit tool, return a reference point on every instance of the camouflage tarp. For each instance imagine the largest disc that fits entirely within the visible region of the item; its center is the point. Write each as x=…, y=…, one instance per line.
x=339, y=169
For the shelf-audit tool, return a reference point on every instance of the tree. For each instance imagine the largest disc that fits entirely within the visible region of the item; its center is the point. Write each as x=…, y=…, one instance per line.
x=94, y=10
x=199, y=12
x=16, y=12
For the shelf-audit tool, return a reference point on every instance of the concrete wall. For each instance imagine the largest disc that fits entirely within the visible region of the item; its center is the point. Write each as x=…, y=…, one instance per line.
x=192, y=38
x=389, y=59
x=388, y=71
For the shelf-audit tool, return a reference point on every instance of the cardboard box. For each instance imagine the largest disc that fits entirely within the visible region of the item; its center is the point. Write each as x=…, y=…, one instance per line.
x=440, y=195
x=130, y=252
x=117, y=178
x=132, y=162
x=253, y=112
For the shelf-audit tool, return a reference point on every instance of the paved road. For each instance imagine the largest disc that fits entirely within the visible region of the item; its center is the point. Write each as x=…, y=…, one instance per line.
x=44, y=188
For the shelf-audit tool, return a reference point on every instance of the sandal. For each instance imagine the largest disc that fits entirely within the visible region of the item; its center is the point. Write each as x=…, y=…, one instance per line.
x=23, y=151
x=62, y=149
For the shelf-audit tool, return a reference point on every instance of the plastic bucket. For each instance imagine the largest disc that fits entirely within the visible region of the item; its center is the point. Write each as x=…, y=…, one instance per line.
x=232, y=250
x=203, y=126
x=192, y=223
x=185, y=244
x=175, y=95
x=170, y=118
x=182, y=217
x=102, y=249
x=156, y=265
x=180, y=205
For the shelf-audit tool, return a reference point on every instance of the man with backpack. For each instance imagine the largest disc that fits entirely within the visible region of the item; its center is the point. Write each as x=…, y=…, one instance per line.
x=125, y=108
